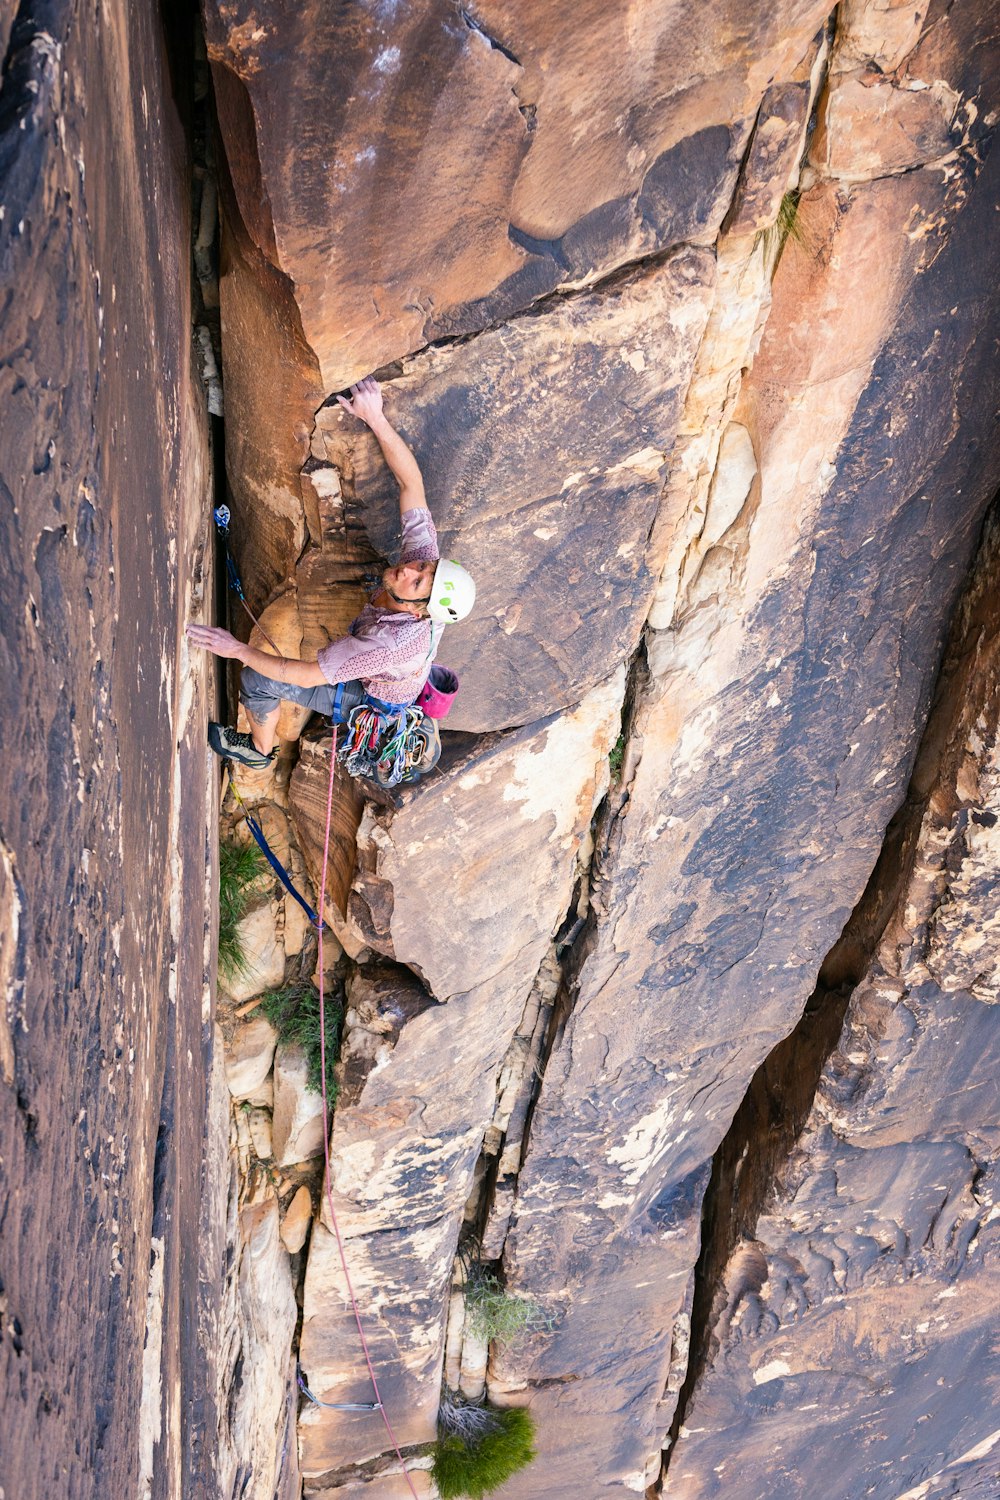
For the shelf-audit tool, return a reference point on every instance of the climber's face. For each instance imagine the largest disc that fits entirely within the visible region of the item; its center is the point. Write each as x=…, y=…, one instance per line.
x=408, y=586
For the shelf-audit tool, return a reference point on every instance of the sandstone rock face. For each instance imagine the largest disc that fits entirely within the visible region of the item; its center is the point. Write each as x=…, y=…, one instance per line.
x=516, y=158
x=857, y=1325
x=752, y=467
x=105, y=801
x=531, y=436
x=720, y=490
x=420, y=1059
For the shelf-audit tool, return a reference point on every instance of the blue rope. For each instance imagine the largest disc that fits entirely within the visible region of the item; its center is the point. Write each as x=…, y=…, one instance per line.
x=273, y=860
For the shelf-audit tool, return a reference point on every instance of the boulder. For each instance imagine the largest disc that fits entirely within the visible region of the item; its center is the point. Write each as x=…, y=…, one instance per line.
x=296, y=1221
x=298, y=1109
x=249, y=1056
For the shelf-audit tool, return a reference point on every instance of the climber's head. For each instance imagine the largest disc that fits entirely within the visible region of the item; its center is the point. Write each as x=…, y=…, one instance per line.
x=442, y=590
x=408, y=586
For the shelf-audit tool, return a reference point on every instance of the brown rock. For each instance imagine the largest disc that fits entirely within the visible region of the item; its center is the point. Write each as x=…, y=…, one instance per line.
x=531, y=197
x=307, y=805
x=805, y=616
x=298, y=1109
x=105, y=798
x=420, y=1076
x=855, y=1327
x=249, y=1057
x=524, y=472
x=441, y=868
x=296, y=1222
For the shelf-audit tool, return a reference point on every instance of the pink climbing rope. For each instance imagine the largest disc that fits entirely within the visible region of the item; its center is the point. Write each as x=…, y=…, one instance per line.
x=326, y=1124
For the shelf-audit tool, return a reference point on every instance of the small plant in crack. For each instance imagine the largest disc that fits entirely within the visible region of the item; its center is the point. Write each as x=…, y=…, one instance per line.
x=479, y=1447
x=616, y=757
x=493, y=1313
x=294, y=1013
x=786, y=226
x=243, y=874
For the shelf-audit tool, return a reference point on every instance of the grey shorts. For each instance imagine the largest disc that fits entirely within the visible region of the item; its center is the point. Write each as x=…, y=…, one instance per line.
x=261, y=695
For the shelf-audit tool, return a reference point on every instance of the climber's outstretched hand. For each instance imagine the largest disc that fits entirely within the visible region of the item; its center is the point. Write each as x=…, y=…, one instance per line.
x=212, y=638
x=366, y=400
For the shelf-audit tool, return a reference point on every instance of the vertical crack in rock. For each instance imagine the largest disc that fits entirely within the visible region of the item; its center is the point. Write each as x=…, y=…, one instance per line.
x=747, y=1168
x=492, y=1203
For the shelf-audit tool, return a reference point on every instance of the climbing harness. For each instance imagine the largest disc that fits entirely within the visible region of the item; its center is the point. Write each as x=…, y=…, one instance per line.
x=326, y=1134
x=223, y=516
x=270, y=856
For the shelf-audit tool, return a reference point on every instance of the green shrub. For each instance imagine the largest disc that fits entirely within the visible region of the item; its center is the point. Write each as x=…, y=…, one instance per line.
x=492, y=1312
x=294, y=1014
x=478, y=1468
x=242, y=873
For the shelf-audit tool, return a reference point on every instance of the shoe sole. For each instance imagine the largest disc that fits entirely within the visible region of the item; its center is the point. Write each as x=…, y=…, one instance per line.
x=256, y=762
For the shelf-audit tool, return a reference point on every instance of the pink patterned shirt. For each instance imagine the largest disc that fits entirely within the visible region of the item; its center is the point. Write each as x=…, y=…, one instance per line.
x=390, y=652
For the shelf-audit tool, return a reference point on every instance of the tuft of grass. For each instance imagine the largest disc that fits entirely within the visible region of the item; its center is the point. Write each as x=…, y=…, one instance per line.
x=294, y=1014
x=492, y=1312
x=475, y=1469
x=242, y=873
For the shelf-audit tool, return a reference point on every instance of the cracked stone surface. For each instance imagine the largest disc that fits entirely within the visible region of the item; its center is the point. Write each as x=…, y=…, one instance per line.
x=856, y=1324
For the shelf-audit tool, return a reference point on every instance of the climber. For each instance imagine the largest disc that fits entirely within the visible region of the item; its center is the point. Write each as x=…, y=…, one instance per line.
x=386, y=658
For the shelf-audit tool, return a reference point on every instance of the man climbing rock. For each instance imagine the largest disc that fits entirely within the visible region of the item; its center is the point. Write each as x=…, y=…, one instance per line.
x=386, y=658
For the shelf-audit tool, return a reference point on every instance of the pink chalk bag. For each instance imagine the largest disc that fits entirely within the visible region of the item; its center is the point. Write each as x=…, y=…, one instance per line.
x=438, y=693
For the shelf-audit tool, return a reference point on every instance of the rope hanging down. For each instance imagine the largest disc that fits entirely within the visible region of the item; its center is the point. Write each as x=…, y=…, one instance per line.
x=269, y=854
x=326, y=1131
x=223, y=516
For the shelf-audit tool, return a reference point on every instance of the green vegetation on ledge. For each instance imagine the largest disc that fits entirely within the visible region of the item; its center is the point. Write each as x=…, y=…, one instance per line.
x=477, y=1466
x=294, y=1014
x=242, y=872
x=491, y=1312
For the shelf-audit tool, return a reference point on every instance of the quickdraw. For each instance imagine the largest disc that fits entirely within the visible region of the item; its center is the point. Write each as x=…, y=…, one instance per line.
x=386, y=747
x=222, y=516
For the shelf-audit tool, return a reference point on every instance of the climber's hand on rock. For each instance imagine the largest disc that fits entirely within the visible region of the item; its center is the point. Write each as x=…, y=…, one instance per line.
x=366, y=400
x=211, y=638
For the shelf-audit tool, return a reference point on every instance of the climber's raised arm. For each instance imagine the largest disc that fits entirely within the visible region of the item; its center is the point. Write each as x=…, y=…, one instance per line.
x=366, y=402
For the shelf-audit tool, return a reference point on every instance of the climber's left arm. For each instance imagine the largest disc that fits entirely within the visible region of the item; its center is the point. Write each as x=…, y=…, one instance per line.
x=277, y=668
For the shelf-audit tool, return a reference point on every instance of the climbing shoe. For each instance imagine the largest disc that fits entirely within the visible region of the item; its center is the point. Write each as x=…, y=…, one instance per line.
x=232, y=745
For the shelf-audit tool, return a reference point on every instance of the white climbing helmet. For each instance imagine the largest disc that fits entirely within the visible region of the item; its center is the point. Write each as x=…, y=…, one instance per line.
x=453, y=593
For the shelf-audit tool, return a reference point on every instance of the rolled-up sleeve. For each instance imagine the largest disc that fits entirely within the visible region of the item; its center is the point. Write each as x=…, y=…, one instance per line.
x=419, y=543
